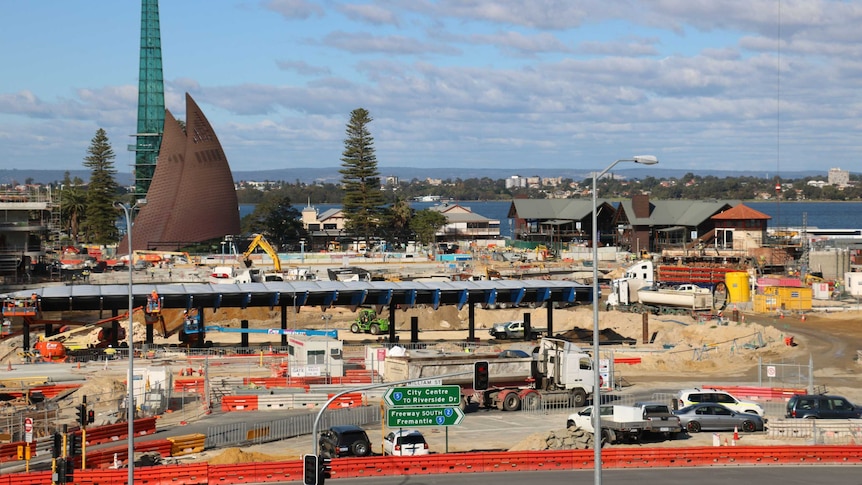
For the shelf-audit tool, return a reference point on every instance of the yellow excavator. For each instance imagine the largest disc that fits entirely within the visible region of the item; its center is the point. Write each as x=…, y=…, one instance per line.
x=260, y=242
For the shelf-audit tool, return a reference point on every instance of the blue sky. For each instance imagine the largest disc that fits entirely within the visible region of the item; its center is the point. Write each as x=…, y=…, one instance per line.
x=449, y=83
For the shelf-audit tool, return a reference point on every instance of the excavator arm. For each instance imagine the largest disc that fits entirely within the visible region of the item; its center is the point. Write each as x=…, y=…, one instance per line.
x=260, y=242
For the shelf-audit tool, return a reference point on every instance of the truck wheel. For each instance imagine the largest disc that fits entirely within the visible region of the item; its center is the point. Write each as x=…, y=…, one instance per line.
x=375, y=329
x=532, y=401
x=511, y=402
x=693, y=427
x=579, y=398
x=354, y=328
x=607, y=437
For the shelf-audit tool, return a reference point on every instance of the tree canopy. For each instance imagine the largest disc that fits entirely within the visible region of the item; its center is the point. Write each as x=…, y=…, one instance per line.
x=363, y=199
x=100, y=215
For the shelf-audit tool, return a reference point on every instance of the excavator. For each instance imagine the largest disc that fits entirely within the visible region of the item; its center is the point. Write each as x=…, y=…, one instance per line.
x=260, y=241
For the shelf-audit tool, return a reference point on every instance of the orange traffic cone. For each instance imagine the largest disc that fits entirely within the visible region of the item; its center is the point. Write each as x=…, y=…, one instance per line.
x=9, y=367
x=803, y=317
x=725, y=442
x=735, y=434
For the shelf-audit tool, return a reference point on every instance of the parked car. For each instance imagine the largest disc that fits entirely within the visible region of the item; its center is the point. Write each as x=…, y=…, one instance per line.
x=405, y=442
x=346, y=440
x=687, y=397
x=715, y=417
x=821, y=406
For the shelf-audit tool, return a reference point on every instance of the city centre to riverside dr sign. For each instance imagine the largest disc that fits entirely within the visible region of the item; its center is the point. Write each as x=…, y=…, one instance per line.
x=428, y=416
x=423, y=396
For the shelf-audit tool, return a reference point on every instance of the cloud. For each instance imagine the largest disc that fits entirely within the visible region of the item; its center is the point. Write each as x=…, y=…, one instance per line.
x=363, y=43
x=303, y=68
x=371, y=14
x=294, y=9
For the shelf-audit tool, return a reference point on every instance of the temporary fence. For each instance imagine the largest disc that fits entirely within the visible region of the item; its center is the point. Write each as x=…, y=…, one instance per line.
x=236, y=434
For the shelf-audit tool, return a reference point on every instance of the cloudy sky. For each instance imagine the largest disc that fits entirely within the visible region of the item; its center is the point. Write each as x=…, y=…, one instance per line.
x=449, y=83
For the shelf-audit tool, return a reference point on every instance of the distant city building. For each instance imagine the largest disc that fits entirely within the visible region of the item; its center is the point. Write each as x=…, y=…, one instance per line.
x=516, y=182
x=838, y=177
x=391, y=180
x=552, y=181
x=817, y=183
x=434, y=182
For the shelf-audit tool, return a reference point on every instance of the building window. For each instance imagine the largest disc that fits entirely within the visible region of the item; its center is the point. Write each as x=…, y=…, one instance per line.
x=316, y=357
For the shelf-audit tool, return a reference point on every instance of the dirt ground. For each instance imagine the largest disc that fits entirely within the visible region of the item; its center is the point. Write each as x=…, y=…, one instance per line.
x=677, y=349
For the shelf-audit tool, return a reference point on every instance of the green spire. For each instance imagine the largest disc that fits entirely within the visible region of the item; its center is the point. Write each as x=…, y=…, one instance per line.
x=151, y=99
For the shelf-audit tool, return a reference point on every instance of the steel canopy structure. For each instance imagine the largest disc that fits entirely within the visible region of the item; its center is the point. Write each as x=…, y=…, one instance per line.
x=324, y=294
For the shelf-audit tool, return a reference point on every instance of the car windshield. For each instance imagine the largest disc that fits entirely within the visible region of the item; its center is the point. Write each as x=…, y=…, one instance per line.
x=685, y=410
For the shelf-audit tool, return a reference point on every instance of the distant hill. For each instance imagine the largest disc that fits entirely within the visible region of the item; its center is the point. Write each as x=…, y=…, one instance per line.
x=330, y=174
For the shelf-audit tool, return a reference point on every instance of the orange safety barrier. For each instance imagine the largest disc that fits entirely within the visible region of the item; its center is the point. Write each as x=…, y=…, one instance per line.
x=9, y=451
x=114, y=432
x=104, y=457
x=190, y=385
x=239, y=403
x=195, y=473
x=627, y=360
x=752, y=392
x=50, y=391
x=349, y=400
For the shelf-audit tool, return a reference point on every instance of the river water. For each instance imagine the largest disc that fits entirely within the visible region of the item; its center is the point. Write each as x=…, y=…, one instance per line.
x=823, y=215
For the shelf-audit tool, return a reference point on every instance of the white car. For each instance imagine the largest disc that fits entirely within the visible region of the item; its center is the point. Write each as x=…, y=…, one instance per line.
x=405, y=442
x=687, y=397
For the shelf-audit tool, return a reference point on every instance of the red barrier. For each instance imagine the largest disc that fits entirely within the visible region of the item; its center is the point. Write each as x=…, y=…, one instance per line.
x=190, y=385
x=751, y=392
x=349, y=400
x=197, y=473
x=104, y=457
x=116, y=432
x=239, y=403
x=9, y=451
x=627, y=360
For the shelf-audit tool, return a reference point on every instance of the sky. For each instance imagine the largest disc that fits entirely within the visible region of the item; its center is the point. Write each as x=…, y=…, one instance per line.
x=751, y=85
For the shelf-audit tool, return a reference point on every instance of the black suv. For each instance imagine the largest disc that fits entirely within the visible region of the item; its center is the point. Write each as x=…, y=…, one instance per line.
x=347, y=440
x=821, y=406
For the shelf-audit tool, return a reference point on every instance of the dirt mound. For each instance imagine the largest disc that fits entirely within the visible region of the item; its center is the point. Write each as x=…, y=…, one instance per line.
x=556, y=439
x=232, y=456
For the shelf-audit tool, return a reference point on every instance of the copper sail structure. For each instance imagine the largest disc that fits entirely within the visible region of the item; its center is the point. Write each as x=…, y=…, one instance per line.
x=192, y=196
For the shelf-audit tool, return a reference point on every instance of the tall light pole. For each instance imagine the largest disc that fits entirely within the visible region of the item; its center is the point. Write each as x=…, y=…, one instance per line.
x=127, y=212
x=597, y=400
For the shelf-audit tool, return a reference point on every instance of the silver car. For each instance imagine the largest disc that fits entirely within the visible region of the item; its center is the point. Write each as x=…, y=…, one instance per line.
x=715, y=417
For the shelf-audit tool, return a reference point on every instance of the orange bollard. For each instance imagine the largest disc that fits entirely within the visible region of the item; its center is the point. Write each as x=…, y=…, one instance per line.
x=735, y=434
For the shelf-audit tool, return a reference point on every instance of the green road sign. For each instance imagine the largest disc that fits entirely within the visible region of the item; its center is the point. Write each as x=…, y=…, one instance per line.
x=430, y=416
x=423, y=396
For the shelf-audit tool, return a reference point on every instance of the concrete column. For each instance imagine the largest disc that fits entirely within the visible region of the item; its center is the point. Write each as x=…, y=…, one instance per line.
x=243, y=324
x=471, y=322
x=527, y=327
x=414, y=330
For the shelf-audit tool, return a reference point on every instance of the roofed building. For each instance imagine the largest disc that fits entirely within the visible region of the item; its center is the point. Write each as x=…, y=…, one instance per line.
x=462, y=223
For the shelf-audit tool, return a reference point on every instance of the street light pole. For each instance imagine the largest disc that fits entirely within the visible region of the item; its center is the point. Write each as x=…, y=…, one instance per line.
x=597, y=400
x=130, y=406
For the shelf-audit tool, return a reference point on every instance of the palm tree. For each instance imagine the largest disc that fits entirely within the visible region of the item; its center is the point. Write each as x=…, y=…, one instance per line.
x=73, y=199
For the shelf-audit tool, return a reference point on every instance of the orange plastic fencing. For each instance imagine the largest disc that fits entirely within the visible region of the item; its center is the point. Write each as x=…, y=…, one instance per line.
x=115, y=432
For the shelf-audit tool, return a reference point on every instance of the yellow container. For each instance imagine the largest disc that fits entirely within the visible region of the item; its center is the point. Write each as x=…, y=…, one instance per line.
x=783, y=299
x=738, y=290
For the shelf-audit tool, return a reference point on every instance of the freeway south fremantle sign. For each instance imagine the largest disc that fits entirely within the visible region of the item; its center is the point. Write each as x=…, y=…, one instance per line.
x=430, y=416
x=423, y=396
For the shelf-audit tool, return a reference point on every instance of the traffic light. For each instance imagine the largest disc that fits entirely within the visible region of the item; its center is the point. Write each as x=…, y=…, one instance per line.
x=20, y=452
x=325, y=467
x=65, y=471
x=480, y=376
x=91, y=416
x=57, y=446
x=309, y=469
x=76, y=444
x=82, y=415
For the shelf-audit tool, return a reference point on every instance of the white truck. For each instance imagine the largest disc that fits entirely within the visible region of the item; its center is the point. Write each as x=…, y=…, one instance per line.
x=514, y=330
x=629, y=423
x=559, y=371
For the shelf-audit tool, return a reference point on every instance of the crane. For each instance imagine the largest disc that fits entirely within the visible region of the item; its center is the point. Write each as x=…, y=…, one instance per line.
x=261, y=242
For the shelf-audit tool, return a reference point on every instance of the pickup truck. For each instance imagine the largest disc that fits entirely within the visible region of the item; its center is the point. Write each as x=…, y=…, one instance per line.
x=629, y=423
x=514, y=330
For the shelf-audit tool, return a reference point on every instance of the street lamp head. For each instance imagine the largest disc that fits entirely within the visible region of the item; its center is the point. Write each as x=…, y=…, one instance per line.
x=645, y=159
